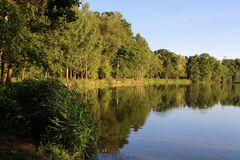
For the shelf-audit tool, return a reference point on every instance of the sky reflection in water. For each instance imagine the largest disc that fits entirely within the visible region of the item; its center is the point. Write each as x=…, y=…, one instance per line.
x=168, y=122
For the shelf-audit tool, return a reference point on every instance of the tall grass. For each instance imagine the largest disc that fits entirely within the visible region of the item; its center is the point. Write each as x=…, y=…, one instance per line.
x=168, y=81
x=51, y=115
x=96, y=84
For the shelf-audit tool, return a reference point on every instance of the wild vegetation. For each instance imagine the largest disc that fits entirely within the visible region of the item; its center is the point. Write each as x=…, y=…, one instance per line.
x=50, y=116
x=65, y=40
x=42, y=112
x=62, y=40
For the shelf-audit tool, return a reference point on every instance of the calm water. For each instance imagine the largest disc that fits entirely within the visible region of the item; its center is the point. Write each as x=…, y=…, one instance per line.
x=198, y=122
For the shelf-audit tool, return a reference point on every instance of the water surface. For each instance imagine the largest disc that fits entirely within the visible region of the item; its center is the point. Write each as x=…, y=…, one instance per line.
x=199, y=122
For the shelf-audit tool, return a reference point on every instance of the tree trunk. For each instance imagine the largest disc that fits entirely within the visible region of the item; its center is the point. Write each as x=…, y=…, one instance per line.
x=117, y=99
x=70, y=74
x=2, y=69
x=9, y=72
x=67, y=74
x=81, y=75
x=75, y=75
x=86, y=75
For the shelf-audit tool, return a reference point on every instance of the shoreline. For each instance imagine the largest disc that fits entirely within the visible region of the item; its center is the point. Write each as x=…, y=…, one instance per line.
x=113, y=83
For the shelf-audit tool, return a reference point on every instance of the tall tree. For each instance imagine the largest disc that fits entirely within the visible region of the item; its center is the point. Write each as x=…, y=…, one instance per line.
x=81, y=43
x=174, y=66
x=234, y=68
x=114, y=30
x=205, y=66
x=11, y=34
x=193, y=70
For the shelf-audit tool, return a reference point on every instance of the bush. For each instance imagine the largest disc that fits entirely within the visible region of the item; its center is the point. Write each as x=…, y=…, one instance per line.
x=50, y=114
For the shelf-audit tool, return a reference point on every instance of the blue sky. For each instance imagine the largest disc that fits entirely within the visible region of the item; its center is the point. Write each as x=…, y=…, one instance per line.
x=186, y=27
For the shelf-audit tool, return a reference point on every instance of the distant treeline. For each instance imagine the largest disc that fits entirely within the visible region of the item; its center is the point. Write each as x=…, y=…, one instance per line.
x=49, y=38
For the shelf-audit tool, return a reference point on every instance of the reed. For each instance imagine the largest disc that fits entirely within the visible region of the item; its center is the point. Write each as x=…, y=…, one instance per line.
x=50, y=114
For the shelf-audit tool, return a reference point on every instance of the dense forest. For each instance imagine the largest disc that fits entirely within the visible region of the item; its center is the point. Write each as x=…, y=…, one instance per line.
x=64, y=39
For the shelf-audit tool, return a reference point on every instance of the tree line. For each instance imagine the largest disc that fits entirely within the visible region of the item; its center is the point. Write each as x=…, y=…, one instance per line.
x=64, y=39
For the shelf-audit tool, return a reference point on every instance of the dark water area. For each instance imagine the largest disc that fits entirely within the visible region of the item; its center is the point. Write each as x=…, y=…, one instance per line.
x=197, y=122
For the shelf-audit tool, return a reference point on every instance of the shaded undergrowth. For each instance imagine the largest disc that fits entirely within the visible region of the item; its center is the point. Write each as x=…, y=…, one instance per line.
x=50, y=116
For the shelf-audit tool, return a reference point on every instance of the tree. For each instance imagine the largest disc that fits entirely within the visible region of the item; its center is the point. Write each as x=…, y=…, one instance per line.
x=48, y=14
x=132, y=59
x=174, y=66
x=81, y=44
x=205, y=66
x=193, y=70
x=124, y=61
x=11, y=35
x=114, y=30
x=234, y=68
x=181, y=62
x=143, y=58
x=155, y=67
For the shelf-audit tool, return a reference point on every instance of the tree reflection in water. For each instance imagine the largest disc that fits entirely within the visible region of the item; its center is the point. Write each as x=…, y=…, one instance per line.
x=121, y=110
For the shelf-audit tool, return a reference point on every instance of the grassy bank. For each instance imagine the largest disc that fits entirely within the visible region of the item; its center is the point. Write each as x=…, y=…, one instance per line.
x=98, y=84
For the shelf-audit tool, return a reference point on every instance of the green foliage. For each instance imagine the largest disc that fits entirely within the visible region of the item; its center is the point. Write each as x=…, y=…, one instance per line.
x=174, y=66
x=81, y=44
x=125, y=60
x=57, y=9
x=193, y=70
x=155, y=67
x=11, y=23
x=13, y=33
x=132, y=59
x=58, y=39
x=206, y=69
x=233, y=69
x=115, y=31
x=55, y=38
x=50, y=114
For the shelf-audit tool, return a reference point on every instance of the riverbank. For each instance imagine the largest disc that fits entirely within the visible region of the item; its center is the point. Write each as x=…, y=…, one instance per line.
x=113, y=83
x=13, y=148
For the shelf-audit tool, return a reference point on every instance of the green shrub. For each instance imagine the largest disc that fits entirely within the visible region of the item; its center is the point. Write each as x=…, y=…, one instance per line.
x=50, y=114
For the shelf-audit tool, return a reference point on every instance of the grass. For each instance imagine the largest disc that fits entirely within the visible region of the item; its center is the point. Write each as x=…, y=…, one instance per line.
x=99, y=84
x=168, y=81
x=47, y=112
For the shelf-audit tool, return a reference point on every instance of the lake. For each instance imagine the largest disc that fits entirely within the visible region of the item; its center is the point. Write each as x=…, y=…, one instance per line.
x=196, y=122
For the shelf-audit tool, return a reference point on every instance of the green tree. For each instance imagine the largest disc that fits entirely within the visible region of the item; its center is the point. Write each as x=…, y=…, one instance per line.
x=81, y=44
x=174, y=66
x=11, y=35
x=143, y=58
x=205, y=66
x=234, y=68
x=193, y=70
x=114, y=30
x=155, y=67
